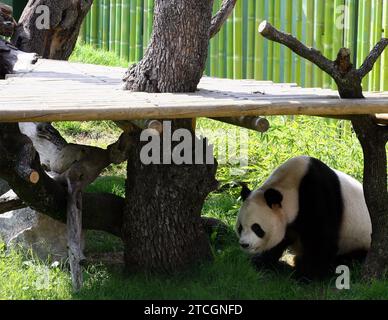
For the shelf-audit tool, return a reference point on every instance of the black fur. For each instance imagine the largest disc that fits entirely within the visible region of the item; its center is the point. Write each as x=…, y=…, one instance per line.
x=273, y=197
x=319, y=219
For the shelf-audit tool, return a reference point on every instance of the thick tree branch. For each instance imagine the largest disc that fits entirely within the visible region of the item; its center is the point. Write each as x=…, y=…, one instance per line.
x=221, y=16
x=311, y=54
x=371, y=59
x=10, y=201
x=48, y=196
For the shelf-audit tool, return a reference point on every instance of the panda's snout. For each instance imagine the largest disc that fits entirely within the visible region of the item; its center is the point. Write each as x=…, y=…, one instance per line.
x=244, y=245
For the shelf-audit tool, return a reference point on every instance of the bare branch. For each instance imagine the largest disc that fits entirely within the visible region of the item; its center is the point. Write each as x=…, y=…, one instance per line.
x=371, y=59
x=74, y=231
x=311, y=54
x=221, y=16
x=10, y=201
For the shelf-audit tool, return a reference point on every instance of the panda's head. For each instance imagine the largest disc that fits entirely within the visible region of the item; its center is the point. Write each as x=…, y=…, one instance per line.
x=261, y=224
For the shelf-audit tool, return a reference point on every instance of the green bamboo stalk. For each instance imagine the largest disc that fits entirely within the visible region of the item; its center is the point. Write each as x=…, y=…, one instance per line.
x=366, y=37
x=299, y=34
x=350, y=26
x=319, y=8
x=251, y=34
x=378, y=26
x=87, y=27
x=328, y=38
x=372, y=41
x=309, y=7
x=82, y=32
x=338, y=30
x=118, y=28
x=238, y=40
x=94, y=24
x=270, y=54
x=338, y=26
x=145, y=25
x=132, y=37
x=112, y=26
x=384, y=59
x=214, y=48
x=277, y=47
x=139, y=30
x=229, y=48
x=287, y=62
x=125, y=29
x=150, y=17
x=105, y=24
x=360, y=28
x=222, y=52
x=100, y=23
x=259, y=41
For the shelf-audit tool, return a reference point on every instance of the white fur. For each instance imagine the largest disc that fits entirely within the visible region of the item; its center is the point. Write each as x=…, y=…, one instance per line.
x=356, y=228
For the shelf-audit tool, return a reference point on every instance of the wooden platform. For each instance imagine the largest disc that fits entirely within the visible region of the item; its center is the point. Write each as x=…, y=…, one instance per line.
x=62, y=91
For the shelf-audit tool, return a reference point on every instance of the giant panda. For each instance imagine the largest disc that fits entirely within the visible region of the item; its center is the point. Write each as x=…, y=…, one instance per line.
x=317, y=212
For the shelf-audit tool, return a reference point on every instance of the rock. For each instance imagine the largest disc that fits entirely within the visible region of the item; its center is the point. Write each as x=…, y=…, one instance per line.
x=31, y=230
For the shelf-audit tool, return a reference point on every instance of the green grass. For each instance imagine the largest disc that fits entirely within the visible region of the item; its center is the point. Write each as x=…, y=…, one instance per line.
x=89, y=54
x=230, y=275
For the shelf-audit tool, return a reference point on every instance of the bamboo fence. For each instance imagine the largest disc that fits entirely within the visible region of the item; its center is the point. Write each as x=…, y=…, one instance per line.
x=238, y=52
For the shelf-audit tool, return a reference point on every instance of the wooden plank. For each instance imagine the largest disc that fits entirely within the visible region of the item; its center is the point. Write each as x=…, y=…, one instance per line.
x=62, y=91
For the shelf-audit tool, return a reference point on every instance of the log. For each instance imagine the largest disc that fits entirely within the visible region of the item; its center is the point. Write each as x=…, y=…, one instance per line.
x=253, y=123
x=10, y=201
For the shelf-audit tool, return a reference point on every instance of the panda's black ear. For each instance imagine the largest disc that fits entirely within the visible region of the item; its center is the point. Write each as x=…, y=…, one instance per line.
x=245, y=191
x=273, y=197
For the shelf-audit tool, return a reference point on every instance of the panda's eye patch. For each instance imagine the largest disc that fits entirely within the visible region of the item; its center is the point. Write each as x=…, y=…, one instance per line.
x=258, y=230
x=240, y=229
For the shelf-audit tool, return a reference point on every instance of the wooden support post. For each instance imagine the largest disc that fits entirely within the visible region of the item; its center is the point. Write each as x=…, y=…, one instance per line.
x=253, y=123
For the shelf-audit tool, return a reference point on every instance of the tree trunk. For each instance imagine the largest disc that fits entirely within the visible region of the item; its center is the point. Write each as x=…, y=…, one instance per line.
x=52, y=36
x=176, y=56
x=373, y=139
x=162, y=227
x=162, y=230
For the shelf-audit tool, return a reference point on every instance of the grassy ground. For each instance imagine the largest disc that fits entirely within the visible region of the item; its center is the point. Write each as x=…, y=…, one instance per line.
x=230, y=276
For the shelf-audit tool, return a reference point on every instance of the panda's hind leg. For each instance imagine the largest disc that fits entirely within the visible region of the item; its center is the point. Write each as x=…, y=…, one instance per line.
x=348, y=259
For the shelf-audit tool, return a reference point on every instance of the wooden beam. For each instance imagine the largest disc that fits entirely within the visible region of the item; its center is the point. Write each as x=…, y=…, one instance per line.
x=62, y=111
x=253, y=123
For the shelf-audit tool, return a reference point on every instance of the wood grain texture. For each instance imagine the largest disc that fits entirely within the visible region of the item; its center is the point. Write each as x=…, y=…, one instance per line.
x=63, y=91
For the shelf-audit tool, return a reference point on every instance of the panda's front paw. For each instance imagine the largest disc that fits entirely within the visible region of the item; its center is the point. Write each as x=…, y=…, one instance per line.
x=261, y=261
